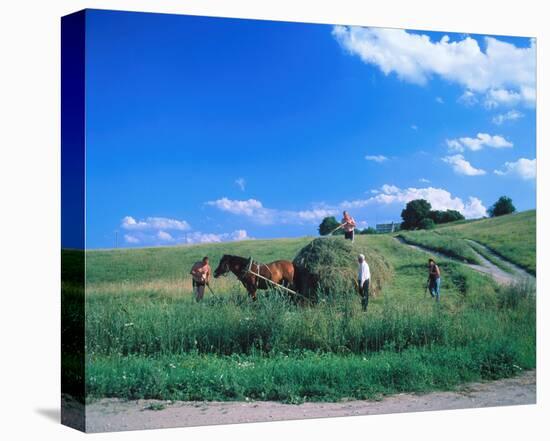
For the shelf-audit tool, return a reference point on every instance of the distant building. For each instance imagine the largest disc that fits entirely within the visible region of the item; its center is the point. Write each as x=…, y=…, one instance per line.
x=388, y=228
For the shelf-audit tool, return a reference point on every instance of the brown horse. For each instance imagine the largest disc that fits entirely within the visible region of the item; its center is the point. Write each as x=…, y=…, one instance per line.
x=279, y=271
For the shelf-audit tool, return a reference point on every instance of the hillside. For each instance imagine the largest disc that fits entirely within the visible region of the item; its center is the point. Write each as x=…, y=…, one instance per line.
x=512, y=236
x=146, y=264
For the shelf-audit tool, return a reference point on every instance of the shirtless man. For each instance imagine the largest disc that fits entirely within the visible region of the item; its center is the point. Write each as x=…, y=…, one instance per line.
x=201, y=277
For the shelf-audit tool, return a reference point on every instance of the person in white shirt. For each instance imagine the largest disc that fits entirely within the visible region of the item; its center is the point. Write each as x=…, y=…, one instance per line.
x=363, y=278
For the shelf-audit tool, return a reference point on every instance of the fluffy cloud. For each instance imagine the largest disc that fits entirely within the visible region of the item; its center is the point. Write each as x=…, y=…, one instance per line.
x=193, y=237
x=497, y=97
x=249, y=207
x=155, y=231
x=313, y=215
x=523, y=168
x=163, y=236
x=462, y=167
x=131, y=239
x=376, y=158
x=477, y=143
x=255, y=210
x=241, y=183
x=198, y=237
x=154, y=223
x=500, y=72
x=439, y=198
x=424, y=180
x=511, y=115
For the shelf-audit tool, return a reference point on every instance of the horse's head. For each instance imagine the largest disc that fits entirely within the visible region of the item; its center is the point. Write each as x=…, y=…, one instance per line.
x=223, y=267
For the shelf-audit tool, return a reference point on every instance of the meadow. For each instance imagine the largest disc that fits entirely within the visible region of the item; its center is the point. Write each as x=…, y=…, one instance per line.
x=512, y=236
x=147, y=338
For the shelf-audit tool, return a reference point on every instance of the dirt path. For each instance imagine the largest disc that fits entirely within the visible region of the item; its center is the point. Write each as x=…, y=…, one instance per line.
x=116, y=415
x=486, y=267
x=518, y=272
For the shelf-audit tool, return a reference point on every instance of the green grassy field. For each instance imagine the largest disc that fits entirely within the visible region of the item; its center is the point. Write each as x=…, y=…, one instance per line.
x=512, y=236
x=147, y=338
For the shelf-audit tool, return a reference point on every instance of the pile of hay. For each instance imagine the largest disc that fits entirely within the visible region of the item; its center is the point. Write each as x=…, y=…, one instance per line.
x=329, y=266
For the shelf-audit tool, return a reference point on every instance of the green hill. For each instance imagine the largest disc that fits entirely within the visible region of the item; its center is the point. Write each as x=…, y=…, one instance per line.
x=168, y=263
x=512, y=236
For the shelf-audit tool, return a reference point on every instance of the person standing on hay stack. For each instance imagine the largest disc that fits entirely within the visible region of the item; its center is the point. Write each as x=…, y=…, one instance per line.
x=201, y=277
x=363, y=278
x=348, y=224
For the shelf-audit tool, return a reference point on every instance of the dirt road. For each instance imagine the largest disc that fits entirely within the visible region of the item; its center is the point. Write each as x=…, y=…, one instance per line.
x=485, y=266
x=116, y=415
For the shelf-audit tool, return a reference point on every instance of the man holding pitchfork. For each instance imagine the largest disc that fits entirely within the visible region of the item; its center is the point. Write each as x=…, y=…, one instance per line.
x=348, y=224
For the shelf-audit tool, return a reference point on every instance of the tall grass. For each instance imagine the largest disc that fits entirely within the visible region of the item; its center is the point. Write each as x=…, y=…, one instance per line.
x=233, y=324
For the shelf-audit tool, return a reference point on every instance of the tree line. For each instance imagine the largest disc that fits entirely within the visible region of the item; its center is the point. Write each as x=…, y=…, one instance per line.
x=418, y=215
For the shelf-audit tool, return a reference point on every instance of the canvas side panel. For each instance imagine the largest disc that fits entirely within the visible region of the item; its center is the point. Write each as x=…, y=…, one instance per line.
x=73, y=220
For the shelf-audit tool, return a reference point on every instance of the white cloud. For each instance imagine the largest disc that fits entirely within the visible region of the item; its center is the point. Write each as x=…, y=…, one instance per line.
x=439, y=198
x=241, y=183
x=131, y=239
x=424, y=180
x=239, y=235
x=439, y=100
x=376, y=158
x=311, y=215
x=414, y=127
x=511, y=115
x=154, y=223
x=474, y=144
x=497, y=97
x=257, y=212
x=198, y=237
x=249, y=207
x=164, y=236
x=523, y=168
x=415, y=58
x=468, y=98
x=462, y=167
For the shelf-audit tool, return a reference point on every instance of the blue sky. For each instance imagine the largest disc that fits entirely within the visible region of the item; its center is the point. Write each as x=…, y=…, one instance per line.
x=205, y=129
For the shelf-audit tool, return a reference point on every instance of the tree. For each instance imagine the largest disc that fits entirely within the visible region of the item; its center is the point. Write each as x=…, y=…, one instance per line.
x=414, y=212
x=329, y=224
x=503, y=206
x=426, y=224
x=443, y=217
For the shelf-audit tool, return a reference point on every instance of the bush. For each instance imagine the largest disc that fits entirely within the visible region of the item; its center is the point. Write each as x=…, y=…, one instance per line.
x=426, y=224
